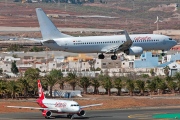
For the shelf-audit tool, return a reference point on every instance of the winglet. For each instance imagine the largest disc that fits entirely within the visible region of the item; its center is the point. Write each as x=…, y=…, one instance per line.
x=127, y=36
x=40, y=90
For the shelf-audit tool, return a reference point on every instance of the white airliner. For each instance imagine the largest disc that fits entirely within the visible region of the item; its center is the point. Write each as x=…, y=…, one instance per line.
x=49, y=106
x=129, y=44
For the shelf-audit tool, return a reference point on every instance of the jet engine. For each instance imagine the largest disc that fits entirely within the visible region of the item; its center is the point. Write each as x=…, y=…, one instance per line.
x=81, y=113
x=134, y=51
x=47, y=114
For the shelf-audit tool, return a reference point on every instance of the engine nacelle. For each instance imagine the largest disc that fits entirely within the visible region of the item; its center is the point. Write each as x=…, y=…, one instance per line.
x=134, y=51
x=47, y=114
x=81, y=113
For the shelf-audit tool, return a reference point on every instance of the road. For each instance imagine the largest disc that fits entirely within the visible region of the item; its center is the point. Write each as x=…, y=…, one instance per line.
x=135, y=114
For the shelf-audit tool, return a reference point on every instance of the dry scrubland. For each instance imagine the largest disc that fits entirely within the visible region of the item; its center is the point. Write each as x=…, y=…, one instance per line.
x=134, y=17
x=108, y=103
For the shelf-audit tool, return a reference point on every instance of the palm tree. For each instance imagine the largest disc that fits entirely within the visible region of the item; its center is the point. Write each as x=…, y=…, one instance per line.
x=141, y=86
x=3, y=87
x=118, y=85
x=95, y=83
x=12, y=88
x=162, y=86
x=107, y=84
x=53, y=78
x=24, y=84
x=130, y=86
x=177, y=78
x=51, y=82
x=32, y=75
x=171, y=84
x=72, y=80
x=58, y=75
x=84, y=83
x=152, y=86
x=166, y=70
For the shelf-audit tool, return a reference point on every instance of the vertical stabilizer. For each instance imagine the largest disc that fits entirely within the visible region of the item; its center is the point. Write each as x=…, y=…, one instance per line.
x=48, y=29
x=40, y=90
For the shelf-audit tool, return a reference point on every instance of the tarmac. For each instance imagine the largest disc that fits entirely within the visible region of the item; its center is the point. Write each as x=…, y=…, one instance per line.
x=129, y=114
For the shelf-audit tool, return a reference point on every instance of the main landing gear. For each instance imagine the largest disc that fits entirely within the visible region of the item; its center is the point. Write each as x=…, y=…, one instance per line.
x=101, y=56
x=162, y=54
x=71, y=116
x=114, y=57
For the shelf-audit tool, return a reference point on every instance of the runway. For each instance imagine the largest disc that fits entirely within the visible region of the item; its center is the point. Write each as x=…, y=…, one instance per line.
x=135, y=114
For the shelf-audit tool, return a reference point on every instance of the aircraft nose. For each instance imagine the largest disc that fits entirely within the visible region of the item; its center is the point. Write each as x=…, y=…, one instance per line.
x=175, y=43
x=76, y=109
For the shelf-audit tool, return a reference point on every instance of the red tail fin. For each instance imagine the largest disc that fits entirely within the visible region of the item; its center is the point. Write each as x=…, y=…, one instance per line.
x=40, y=90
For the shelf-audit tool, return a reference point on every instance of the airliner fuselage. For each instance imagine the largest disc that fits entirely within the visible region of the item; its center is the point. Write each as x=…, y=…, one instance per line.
x=99, y=44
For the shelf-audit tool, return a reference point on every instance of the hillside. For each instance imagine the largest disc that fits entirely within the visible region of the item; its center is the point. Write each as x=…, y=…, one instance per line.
x=136, y=16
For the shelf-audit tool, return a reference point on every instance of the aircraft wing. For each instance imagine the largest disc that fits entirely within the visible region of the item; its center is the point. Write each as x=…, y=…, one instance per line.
x=126, y=45
x=40, y=40
x=32, y=108
x=33, y=39
x=91, y=105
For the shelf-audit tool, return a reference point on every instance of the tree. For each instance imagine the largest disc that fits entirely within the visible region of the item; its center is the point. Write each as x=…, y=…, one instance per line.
x=14, y=68
x=72, y=80
x=1, y=71
x=152, y=86
x=130, y=86
x=84, y=83
x=3, y=87
x=12, y=88
x=141, y=86
x=24, y=84
x=95, y=83
x=166, y=70
x=177, y=77
x=53, y=78
x=118, y=85
x=170, y=83
x=32, y=74
x=162, y=86
x=152, y=72
x=15, y=55
x=107, y=84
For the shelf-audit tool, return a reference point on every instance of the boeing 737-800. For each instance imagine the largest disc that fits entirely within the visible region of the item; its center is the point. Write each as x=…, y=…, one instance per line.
x=129, y=44
x=49, y=106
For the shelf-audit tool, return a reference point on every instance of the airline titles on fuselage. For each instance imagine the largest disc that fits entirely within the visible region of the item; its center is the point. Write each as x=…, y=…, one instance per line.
x=60, y=104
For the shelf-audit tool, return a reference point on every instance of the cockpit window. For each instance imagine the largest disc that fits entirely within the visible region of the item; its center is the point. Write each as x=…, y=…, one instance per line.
x=170, y=38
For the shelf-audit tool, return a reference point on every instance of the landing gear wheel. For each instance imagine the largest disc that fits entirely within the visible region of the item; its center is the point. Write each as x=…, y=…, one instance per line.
x=113, y=57
x=162, y=54
x=69, y=116
x=47, y=117
x=101, y=56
